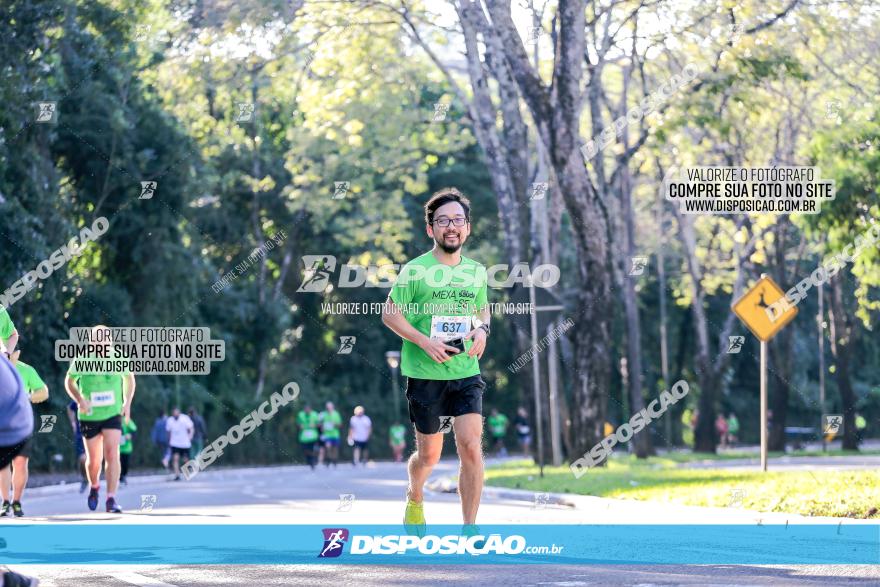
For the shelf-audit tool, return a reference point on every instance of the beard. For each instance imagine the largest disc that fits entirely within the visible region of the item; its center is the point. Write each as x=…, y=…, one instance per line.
x=448, y=247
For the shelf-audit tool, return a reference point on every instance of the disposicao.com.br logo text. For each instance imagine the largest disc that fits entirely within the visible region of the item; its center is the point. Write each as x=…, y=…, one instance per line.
x=442, y=545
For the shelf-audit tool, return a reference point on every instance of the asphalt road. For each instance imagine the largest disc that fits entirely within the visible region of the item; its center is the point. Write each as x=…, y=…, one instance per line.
x=295, y=495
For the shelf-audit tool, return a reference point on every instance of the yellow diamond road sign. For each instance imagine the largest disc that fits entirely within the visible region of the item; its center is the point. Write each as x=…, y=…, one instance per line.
x=755, y=310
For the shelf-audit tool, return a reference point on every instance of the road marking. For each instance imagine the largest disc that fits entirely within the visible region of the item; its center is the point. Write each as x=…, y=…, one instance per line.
x=140, y=580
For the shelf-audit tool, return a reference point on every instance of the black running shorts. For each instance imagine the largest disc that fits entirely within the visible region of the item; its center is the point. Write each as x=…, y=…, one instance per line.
x=431, y=400
x=92, y=429
x=7, y=453
x=183, y=452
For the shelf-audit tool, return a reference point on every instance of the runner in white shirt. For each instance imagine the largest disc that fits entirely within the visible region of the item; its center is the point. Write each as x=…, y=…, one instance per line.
x=180, y=433
x=359, y=429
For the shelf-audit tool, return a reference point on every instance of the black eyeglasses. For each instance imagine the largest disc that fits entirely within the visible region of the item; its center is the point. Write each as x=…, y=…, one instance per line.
x=444, y=222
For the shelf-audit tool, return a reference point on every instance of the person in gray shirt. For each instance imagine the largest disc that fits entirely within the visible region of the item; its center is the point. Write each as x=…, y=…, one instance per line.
x=16, y=414
x=16, y=428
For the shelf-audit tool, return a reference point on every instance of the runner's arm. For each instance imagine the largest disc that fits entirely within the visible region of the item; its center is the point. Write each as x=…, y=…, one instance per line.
x=479, y=335
x=128, y=393
x=75, y=395
x=40, y=395
x=394, y=319
x=11, y=342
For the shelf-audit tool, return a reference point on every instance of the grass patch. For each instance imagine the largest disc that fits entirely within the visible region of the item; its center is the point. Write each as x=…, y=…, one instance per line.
x=850, y=494
x=690, y=457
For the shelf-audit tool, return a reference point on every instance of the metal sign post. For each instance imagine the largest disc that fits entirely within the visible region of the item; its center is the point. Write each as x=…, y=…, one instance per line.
x=536, y=379
x=547, y=306
x=763, y=405
x=754, y=309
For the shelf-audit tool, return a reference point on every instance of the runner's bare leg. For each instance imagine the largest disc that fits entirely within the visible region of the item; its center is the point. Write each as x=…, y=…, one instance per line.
x=112, y=439
x=19, y=477
x=94, y=458
x=5, y=480
x=469, y=442
x=421, y=463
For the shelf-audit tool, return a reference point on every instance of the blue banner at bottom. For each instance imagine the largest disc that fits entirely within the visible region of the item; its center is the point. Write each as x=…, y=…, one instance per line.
x=89, y=544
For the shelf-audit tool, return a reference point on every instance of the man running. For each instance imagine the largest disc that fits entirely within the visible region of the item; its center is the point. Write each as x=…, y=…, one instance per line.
x=16, y=427
x=498, y=423
x=331, y=422
x=159, y=436
x=523, y=430
x=103, y=400
x=78, y=445
x=200, y=430
x=38, y=392
x=359, y=429
x=307, y=420
x=432, y=307
x=397, y=440
x=126, y=448
x=180, y=433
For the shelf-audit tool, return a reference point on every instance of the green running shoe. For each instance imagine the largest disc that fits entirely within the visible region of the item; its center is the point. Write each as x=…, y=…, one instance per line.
x=414, y=519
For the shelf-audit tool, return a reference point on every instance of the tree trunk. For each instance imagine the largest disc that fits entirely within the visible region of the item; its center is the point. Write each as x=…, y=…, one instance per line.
x=781, y=349
x=556, y=112
x=841, y=339
x=642, y=445
x=704, y=434
x=780, y=371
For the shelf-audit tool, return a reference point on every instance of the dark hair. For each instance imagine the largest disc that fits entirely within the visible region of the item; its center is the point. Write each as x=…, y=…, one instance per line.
x=444, y=196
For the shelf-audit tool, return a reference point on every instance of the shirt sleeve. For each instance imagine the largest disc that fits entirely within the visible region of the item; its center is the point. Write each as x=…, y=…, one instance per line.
x=34, y=382
x=403, y=290
x=6, y=325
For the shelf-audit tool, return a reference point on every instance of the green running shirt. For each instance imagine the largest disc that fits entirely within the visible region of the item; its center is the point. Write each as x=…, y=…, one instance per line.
x=497, y=425
x=397, y=434
x=330, y=423
x=308, y=426
x=29, y=375
x=126, y=446
x=103, y=390
x=6, y=325
x=430, y=294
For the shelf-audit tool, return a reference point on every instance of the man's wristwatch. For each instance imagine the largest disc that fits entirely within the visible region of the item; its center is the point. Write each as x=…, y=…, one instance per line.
x=482, y=325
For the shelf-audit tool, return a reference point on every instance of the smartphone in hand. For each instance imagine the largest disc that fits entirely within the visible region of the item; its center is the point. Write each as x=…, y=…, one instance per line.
x=458, y=343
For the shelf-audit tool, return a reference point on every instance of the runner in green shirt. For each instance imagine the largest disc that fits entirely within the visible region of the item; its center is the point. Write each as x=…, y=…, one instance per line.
x=498, y=428
x=732, y=428
x=330, y=422
x=8, y=333
x=17, y=474
x=103, y=400
x=439, y=307
x=397, y=440
x=307, y=420
x=126, y=448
